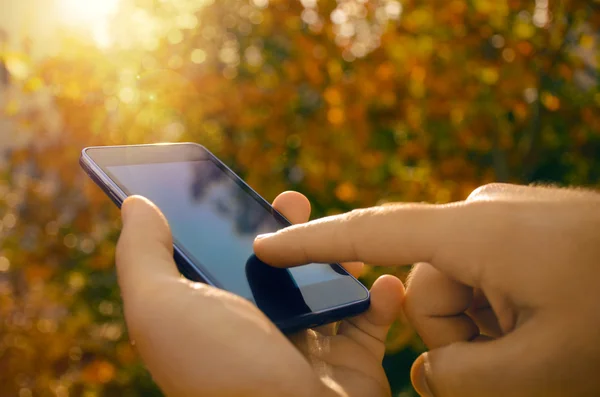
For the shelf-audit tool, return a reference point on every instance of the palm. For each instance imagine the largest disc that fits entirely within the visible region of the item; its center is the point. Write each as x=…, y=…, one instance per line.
x=344, y=361
x=198, y=340
x=197, y=355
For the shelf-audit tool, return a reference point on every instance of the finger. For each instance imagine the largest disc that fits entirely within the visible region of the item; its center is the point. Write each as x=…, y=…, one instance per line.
x=370, y=328
x=144, y=254
x=435, y=305
x=515, y=365
x=483, y=315
x=486, y=321
x=392, y=235
x=296, y=208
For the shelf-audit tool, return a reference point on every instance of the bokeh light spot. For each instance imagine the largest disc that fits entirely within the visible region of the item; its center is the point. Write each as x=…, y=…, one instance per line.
x=198, y=56
x=4, y=264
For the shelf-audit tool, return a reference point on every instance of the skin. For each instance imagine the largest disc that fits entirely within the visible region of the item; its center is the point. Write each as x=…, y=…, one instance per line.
x=505, y=291
x=200, y=341
x=505, y=294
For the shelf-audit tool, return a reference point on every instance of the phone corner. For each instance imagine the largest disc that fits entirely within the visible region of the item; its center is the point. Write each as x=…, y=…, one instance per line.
x=198, y=145
x=367, y=294
x=363, y=304
x=82, y=158
x=84, y=155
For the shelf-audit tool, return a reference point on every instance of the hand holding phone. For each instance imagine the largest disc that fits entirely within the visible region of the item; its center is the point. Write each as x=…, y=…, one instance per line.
x=215, y=217
x=200, y=340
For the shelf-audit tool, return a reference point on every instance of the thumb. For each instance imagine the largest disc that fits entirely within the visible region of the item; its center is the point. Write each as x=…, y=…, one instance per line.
x=514, y=365
x=371, y=327
x=144, y=254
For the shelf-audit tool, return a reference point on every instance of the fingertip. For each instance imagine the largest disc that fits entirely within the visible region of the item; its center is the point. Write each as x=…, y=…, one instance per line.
x=292, y=195
x=132, y=205
x=387, y=285
x=276, y=250
x=259, y=247
x=143, y=220
x=294, y=206
x=387, y=295
x=418, y=376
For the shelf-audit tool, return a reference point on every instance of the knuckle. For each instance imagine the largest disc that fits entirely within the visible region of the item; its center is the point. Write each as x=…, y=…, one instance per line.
x=353, y=216
x=488, y=191
x=495, y=224
x=493, y=220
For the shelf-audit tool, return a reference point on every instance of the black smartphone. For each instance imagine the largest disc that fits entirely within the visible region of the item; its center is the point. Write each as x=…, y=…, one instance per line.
x=214, y=217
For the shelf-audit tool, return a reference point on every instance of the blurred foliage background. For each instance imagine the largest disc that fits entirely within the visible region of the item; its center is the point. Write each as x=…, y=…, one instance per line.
x=352, y=102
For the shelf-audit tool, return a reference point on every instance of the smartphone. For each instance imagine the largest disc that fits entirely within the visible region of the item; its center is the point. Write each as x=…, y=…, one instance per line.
x=214, y=217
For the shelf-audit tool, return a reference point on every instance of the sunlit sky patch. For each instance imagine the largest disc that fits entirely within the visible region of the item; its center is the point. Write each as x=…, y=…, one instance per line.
x=91, y=14
x=41, y=20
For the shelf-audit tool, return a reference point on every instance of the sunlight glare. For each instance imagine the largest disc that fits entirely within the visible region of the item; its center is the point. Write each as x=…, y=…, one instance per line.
x=94, y=15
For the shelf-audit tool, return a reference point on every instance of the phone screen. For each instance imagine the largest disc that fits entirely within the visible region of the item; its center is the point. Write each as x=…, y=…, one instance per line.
x=214, y=220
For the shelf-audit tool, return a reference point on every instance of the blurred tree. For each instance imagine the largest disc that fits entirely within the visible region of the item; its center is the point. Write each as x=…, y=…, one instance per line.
x=4, y=76
x=353, y=103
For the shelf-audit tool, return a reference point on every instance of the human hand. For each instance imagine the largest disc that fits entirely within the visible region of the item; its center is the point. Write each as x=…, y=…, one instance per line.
x=506, y=295
x=201, y=341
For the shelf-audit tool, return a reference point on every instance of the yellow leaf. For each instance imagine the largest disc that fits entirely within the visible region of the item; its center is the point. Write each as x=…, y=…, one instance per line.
x=418, y=74
x=33, y=84
x=12, y=108
x=333, y=96
x=524, y=30
x=336, y=116
x=550, y=101
x=484, y=6
x=346, y=192
x=489, y=76
x=586, y=41
x=99, y=372
x=385, y=71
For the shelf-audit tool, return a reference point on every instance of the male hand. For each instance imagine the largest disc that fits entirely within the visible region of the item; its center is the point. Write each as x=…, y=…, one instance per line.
x=201, y=341
x=507, y=294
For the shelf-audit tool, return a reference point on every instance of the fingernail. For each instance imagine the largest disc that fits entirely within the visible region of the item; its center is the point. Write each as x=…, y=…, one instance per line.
x=266, y=235
x=419, y=379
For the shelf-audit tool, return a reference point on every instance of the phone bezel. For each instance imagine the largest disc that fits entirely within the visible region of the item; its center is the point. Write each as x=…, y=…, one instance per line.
x=103, y=156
